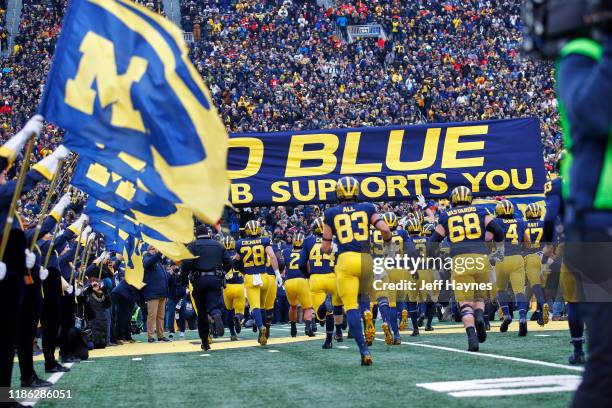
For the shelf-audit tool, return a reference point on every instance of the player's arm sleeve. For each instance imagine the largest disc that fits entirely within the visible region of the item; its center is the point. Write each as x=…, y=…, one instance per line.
x=585, y=86
x=494, y=228
x=303, y=261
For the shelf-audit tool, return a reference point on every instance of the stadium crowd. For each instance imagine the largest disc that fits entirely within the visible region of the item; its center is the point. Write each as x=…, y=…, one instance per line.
x=279, y=65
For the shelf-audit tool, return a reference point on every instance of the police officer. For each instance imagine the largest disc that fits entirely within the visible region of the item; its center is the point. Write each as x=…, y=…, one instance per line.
x=206, y=274
x=578, y=34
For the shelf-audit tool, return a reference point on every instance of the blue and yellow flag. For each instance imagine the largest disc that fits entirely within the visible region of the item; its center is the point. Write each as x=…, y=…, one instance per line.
x=134, y=200
x=122, y=84
x=103, y=216
x=134, y=268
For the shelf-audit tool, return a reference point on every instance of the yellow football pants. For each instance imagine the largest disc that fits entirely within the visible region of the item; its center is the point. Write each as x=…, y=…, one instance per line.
x=567, y=281
x=511, y=269
x=322, y=285
x=427, y=276
x=533, y=267
x=470, y=269
x=269, y=291
x=233, y=297
x=350, y=268
x=298, y=291
x=400, y=295
x=255, y=294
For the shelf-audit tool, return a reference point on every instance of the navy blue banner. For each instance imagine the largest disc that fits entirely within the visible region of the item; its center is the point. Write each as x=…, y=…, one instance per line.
x=500, y=157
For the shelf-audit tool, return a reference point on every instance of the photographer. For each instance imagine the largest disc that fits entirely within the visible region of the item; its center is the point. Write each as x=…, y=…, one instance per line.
x=176, y=292
x=578, y=34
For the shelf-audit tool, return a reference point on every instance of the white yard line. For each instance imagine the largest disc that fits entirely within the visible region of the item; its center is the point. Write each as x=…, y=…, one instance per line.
x=495, y=356
x=53, y=379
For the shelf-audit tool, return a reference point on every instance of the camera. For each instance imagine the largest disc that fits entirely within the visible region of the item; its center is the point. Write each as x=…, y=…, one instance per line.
x=549, y=24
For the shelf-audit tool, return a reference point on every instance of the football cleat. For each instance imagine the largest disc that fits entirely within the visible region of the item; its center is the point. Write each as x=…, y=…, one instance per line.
x=481, y=329
x=338, y=338
x=473, y=344
x=309, y=328
x=388, y=334
x=267, y=331
x=370, y=330
x=545, y=311
x=327, y=345
x=421, y=319
x=577, y=358
x=366, y=359
x=234, y=338
x=397, y=341
x=415, y=332
x=522, y=328
x=237, y=325
x=404, y=322
x=262, y=338
x=504, y=326
x=428, y=328
x=293, y=330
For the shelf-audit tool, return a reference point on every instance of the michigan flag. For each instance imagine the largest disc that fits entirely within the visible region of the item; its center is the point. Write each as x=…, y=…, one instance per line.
x=122, y=84
x=172, y=221
x=102, y=217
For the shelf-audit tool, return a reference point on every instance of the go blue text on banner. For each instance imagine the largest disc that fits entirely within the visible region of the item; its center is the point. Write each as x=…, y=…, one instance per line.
x=499, y=157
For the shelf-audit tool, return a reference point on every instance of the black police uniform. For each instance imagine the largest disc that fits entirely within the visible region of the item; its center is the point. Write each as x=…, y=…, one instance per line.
x=206, y=274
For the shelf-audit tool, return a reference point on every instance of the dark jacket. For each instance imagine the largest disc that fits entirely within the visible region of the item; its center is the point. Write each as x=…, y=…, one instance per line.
x=155, y=277
x=211, y=256
x=176, y=289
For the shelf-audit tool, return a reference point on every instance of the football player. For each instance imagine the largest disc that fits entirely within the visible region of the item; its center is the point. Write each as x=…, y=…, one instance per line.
x=466, y=226
x=535, y=229
x=252, y=253
x=402, y=244
x=296, y=287
x=553, y=254
x=425, y=276
x=512, y=268
x=320, y=267
x=349, y=222
x=233, y=294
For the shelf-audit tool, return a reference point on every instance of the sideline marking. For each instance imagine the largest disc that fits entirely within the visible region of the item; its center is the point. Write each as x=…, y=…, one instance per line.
x=497, y=356
x=273, y=351
x=137, y=359
x=497, y=387
x=54, y=378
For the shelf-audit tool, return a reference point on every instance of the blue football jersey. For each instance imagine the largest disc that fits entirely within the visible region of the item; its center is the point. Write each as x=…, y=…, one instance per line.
x=236, y=276
x=401, y=240
x=292, y=263
x=253, y=254
x=350, y=223
x=311, y=254
x=535, y=229
x=513, y=232
x=465, y=229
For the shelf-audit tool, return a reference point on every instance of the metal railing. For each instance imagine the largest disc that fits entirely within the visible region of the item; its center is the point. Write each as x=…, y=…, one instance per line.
x=364, y=31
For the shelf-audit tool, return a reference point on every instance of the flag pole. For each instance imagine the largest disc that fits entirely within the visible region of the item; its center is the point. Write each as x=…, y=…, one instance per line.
x=45, y=206
x=76, y=253
x=11, y=213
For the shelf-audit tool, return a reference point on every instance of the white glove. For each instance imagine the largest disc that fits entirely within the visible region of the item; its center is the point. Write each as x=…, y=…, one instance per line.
x=91, y=236
x=334, y=248
x=187, y=291
x=278, y=278
x=421, y=203
x=66, y=286
x=498, y=254
x=101, y=258
x=545, y=267
x=78, y=292
x=62, y=204
x=77, y=226
x=2, y=271
x=31, y=128
x=30, y=259
x=43, y=273
x=48, y=166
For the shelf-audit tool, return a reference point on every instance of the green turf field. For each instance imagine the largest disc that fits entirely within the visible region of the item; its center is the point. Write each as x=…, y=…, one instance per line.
x=302, y=374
